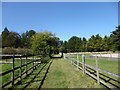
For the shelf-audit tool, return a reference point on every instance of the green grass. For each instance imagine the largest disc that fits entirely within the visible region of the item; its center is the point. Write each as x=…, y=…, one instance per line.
x=36, y=82
x=110, y=66
x=85, y=54
x=8, y=66
x=57, y=55
x=63, y=75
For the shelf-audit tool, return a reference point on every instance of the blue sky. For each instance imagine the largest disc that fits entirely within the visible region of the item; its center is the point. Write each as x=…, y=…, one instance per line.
x=66, y=19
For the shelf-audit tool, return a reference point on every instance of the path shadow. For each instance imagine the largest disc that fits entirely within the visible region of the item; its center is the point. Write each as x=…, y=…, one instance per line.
x=45, y=76
x=35, y=75
x=28, y=83
x=104, y=77
x=21, y=82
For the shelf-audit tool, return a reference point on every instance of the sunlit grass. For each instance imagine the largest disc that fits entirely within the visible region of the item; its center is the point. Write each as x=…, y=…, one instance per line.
x=110, y=66
x=8, y=66
x=63, y=75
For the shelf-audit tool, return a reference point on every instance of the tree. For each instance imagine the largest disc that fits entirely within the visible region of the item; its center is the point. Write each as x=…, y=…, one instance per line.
x=30, y=33
x=115, y=39
x=95, y=43
x=10, y=39
x=84, y=44
x=4, y=35
x=63, y=48
x=14, y=40
x=60, y=43
x=106, y=43
x=74, y=44
x=44, y=43
x=98, y=43
x=90, y=43
x=26, y=38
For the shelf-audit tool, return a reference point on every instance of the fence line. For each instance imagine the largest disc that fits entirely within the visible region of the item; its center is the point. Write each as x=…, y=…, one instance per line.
x=96, y=75
x=100, y=57
x=21, y=65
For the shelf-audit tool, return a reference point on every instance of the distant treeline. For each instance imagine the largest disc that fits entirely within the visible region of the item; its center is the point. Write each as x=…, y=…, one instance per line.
x=94, y=44
x=29, y=42
x=47, y=43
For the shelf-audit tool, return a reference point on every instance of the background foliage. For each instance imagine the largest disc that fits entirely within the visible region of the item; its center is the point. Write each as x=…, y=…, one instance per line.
x=46, y=42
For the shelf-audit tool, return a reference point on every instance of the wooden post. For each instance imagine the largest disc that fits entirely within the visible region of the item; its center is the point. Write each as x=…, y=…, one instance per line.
x=33, y=62
x=110, y=56
x=13, y=65
x=77, y=61
x=100, y=55
x=71, y=61
x=64, y=56
x=83, y=62
x=26, y=65
x=21, y=69
x=77, y=57
x=98, y=80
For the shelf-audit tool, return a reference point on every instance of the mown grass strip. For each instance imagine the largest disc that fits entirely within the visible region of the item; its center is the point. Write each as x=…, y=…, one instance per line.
x=63, y=75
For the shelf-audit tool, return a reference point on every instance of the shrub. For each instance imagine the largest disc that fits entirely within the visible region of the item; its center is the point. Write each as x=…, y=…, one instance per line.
x=8, y=50
x=23, y=51
x=45, y=60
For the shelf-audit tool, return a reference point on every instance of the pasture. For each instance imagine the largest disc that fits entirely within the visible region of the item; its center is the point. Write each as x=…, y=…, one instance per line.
x=100, y=69
x=58, y=73
x=111, y=66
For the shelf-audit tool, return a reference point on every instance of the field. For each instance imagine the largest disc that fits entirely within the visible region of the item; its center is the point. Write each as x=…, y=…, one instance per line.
x=61, y=74
x=8, y=66
x=110, y=67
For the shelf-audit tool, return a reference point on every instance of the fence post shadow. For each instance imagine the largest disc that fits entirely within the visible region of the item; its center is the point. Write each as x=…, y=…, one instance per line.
x=33, y=78
x=45, y=75
x=95, y=72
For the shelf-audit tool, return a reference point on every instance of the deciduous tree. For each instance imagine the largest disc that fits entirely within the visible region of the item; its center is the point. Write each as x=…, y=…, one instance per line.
x=44, y=43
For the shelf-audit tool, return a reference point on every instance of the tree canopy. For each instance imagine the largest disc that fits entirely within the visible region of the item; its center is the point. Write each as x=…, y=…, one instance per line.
x=74, y=44
x=44, y=43
x=26, y=38
x=94, y=44
x=10, y=39
x=47, y=43
x=115, y=39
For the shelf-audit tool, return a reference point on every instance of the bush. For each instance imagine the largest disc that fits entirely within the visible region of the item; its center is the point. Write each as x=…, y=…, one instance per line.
x=45, y=60
x=23, y=51
x=10, y=50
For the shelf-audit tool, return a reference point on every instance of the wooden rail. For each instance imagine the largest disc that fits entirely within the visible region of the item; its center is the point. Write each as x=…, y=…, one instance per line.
x=94, y=71
x=20, y=67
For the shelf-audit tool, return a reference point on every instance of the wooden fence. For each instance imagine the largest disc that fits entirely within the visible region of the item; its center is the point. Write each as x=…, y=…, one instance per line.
x=94, y=71
x=35, y=62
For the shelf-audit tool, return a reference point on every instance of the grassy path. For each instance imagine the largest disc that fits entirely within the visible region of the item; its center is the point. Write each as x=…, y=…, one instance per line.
x=63, y=75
